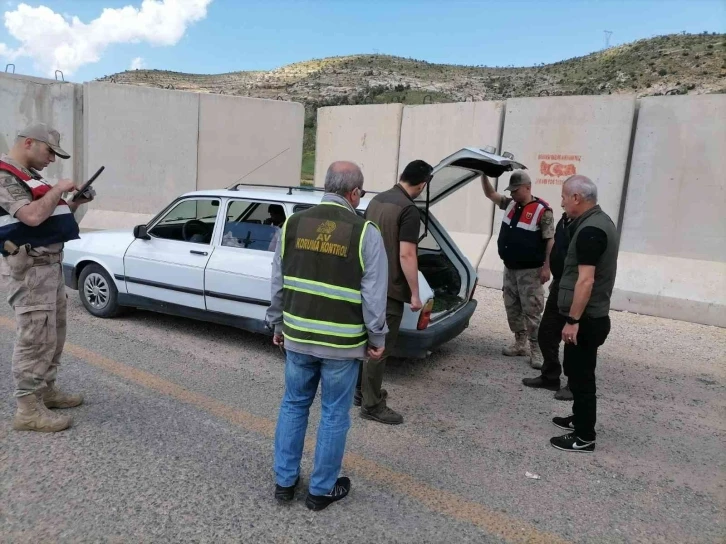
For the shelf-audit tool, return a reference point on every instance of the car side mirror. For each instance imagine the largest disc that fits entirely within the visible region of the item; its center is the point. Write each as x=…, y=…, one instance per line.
x=140, y=232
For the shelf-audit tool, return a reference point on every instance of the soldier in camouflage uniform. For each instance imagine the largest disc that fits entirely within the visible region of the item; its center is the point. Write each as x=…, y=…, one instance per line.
x=34, y=223
x=525, y=241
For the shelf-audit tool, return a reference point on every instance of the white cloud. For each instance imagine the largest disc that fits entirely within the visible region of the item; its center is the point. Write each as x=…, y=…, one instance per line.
x=58, y=43
x=137, y=64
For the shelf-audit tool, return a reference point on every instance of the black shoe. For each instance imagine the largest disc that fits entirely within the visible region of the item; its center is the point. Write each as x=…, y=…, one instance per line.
x=564, y=423
x=540, y=382
x=286, y=493
x=382, y=415
x=319, y=502
x=570, y=442
x=564, y=393
x=358, y=397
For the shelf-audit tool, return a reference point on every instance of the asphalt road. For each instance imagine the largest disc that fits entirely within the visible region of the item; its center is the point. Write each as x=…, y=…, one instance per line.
x=174, y=442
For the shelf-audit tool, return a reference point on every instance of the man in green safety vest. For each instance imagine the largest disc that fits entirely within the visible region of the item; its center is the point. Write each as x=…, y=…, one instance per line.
x=328, y=308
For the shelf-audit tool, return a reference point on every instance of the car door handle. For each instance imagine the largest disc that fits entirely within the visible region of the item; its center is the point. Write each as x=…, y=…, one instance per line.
x=195, y=252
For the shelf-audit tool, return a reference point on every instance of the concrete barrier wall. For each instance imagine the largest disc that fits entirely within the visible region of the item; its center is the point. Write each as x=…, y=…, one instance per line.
x=147, y=140
x=257, y=140
x=672, y=260
x=25, y=100
x=158, y=144
x=559, y=136
x=367, y=135
x=433, y=132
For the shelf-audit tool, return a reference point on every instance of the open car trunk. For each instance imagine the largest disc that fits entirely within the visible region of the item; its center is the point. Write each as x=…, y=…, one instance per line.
x=446, y=277
x=447, y=271
x=443, y=278
x=445, y=268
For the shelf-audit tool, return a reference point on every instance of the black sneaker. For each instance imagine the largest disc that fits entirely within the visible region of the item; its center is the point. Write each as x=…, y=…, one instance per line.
x=570, y=442
x=540, y=382
x=319, y=502
x=358, y=397
x=564, y=422
x=286, y=493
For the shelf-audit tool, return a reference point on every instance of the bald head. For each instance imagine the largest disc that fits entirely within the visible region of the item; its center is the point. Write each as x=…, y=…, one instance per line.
x=343, y=177
x=582, y=186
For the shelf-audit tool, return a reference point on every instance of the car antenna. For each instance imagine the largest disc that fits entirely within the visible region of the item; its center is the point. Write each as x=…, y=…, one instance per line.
x=257, y=168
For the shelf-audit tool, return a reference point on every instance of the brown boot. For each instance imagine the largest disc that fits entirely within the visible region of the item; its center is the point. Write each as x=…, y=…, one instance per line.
x=519, y=347
x=535, y=360
x=55, y=398
x=32, y=415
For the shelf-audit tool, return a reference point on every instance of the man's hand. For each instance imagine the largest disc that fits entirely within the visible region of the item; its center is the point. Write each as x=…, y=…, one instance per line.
x=90, y=194
x=278, y=339
x=66, y=185
x=416, y=303
x=569, y=333
x=544, y=274
x=374, y=352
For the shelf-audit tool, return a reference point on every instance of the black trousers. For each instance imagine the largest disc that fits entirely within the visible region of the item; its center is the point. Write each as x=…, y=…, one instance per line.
x=580, y=362
x=550, y=335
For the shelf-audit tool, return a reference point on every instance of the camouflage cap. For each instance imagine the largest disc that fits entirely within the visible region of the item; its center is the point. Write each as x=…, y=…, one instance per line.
x=43, y=133
x=517, y=180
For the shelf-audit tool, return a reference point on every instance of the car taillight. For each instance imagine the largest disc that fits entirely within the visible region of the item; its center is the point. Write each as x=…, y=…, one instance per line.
x=425, y=318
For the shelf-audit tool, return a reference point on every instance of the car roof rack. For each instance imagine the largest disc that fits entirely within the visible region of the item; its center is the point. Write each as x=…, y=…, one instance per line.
x=290, y=188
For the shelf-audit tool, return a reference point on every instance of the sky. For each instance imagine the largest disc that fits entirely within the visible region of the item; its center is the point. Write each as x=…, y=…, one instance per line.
x=88, y=39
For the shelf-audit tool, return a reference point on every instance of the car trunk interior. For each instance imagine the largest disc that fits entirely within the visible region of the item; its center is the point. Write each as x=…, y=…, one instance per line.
x=442, y=275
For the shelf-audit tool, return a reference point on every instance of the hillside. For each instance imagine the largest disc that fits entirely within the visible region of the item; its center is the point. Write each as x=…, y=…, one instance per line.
x=673, y=64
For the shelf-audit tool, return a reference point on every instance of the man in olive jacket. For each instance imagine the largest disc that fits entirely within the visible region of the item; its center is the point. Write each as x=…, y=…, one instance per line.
x=397, y=215
x=584, y=300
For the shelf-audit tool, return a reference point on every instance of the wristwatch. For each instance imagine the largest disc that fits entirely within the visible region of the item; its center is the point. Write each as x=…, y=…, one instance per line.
x=572, y=321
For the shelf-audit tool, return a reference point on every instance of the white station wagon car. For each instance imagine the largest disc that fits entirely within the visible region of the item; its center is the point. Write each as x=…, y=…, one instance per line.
x=208, y=256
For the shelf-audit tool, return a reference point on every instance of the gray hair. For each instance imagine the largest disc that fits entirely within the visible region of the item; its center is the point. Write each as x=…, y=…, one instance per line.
x=582, y=186
x=342, y=178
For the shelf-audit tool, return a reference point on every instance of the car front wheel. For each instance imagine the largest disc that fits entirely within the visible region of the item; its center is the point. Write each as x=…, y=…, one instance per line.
x=98, y=291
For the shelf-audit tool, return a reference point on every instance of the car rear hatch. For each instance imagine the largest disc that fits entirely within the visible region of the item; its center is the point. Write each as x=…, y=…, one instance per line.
x=448, y=272
x=459, y=169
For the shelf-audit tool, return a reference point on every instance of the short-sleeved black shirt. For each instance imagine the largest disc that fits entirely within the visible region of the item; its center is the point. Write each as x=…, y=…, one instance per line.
x=591, y=244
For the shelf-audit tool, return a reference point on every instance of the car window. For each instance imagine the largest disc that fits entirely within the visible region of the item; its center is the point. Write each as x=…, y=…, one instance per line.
x=445, y=179
x=301, y=207
x=428, y=242
x=190, y=220
x=253, y=225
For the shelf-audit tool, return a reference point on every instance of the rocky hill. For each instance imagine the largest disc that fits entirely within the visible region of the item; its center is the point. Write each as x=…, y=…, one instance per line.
x=673, y=64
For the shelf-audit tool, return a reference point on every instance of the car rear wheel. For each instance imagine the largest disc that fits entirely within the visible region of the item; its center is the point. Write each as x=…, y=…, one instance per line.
x=98, y=291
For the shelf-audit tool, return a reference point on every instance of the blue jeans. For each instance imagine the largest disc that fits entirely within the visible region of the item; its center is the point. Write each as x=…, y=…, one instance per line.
x=302, y=374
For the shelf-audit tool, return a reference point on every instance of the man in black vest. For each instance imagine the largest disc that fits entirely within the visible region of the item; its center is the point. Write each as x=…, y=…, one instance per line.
x=550, y=328
x=34, y=223
x=584, y=294
x=328, y=306
x=395, y=212
x=525, y=241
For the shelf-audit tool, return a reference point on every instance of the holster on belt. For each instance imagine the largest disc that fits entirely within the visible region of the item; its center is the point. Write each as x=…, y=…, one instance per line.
x=10, y=247
x=19, y=260
x=43, y=260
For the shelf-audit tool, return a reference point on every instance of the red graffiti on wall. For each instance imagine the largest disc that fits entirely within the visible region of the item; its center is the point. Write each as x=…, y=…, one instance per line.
x=555, y=168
